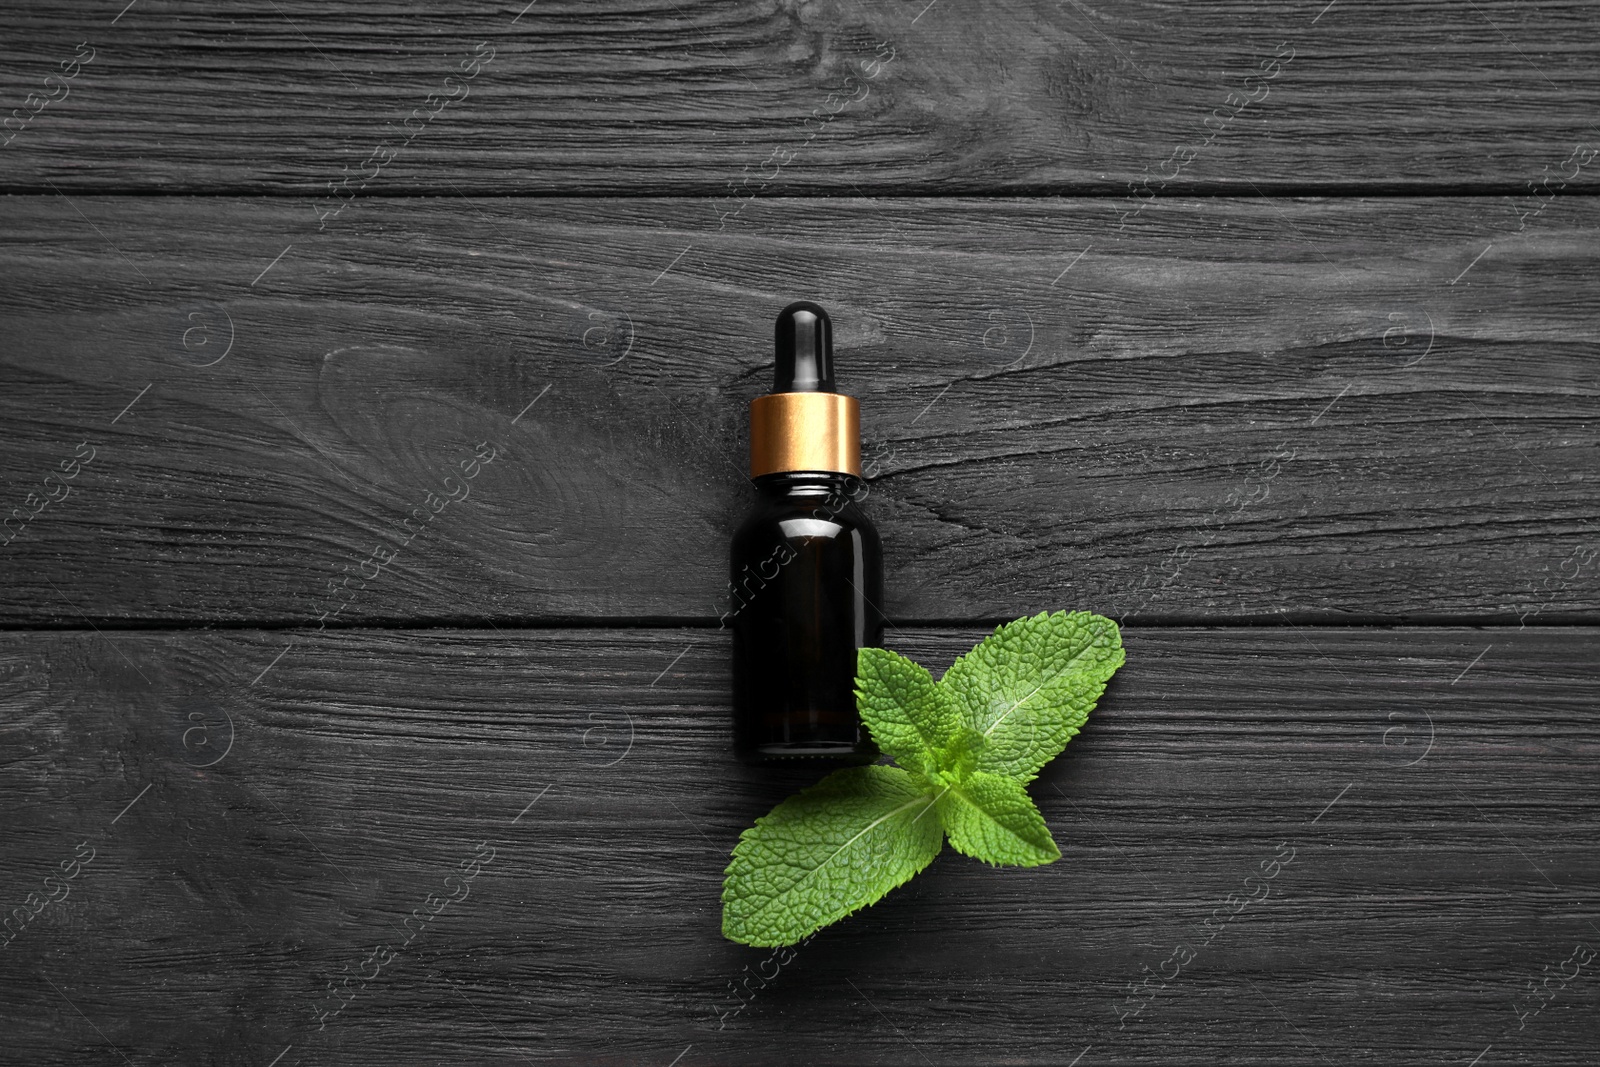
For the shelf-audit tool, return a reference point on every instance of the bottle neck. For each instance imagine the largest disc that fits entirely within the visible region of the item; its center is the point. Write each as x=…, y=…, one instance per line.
x=819, y=486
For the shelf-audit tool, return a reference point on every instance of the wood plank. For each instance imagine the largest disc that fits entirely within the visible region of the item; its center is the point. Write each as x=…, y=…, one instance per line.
x=739, y=100
x=1348, y=410
x=1436, y=787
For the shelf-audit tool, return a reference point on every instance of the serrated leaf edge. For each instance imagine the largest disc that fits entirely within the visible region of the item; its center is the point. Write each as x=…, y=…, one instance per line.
x=987, y=860
x=1122, y=658
x=932, y=802
x=927, y=757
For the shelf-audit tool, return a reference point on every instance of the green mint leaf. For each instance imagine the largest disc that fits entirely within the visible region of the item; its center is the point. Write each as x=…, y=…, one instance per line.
x=991, y=817
x=1029, y=686
x=910, y=717
x=968, y=745
x=826, y=852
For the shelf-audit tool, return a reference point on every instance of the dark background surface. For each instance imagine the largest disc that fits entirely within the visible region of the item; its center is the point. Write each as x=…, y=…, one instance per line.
x=1269, y=330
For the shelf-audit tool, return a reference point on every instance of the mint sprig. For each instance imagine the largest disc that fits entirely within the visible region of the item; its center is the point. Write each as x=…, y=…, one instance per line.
x=966, y=747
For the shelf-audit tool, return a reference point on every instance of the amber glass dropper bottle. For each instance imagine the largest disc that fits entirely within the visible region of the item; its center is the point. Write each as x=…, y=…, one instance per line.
x=807, y=566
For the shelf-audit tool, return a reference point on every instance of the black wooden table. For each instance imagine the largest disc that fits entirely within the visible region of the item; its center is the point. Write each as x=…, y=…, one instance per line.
x=373, y=398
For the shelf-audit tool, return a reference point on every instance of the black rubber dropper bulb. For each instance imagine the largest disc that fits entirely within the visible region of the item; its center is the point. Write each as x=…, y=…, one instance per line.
x=803, y=338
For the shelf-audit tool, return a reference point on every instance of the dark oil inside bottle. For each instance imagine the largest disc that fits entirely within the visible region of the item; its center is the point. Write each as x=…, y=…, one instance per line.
x=807, y=575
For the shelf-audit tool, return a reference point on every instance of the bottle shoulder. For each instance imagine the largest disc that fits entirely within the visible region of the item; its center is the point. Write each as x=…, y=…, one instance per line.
x=791, y=517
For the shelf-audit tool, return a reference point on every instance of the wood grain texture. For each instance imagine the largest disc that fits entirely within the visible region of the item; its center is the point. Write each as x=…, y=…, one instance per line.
x=777, y=97
x=1436, y=787
x=1246, y=410
x=469, y=381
